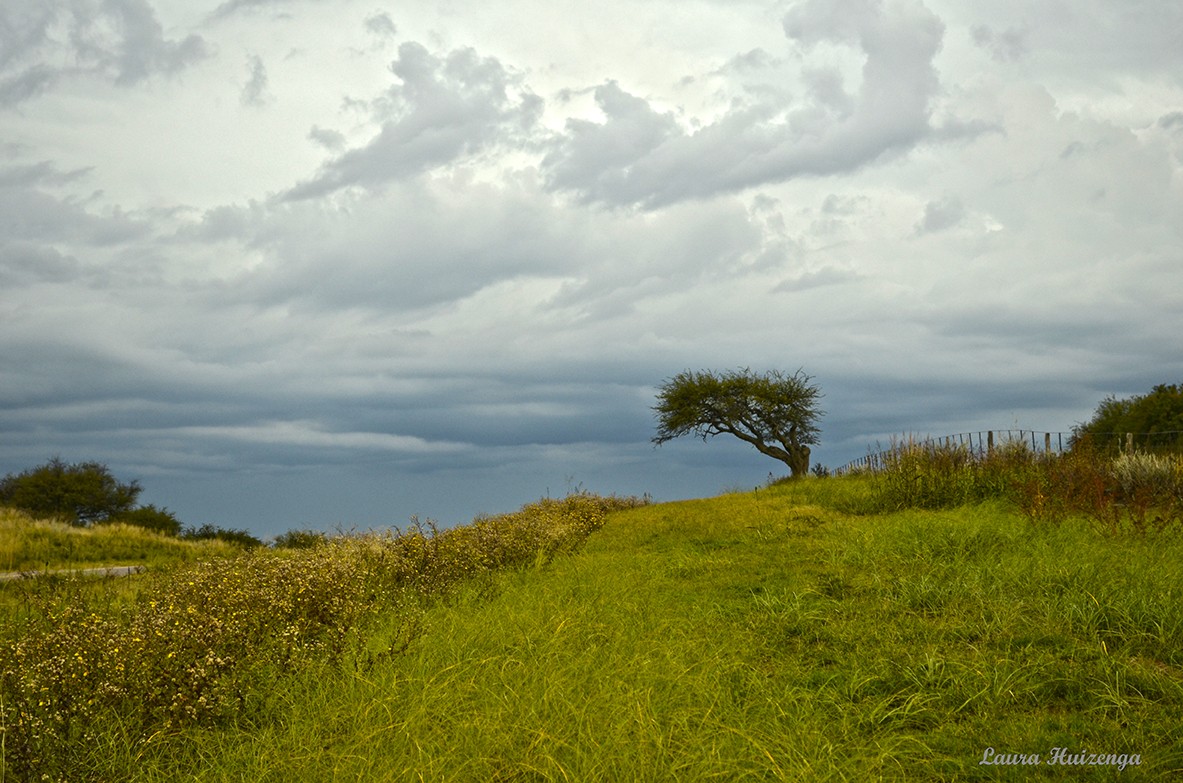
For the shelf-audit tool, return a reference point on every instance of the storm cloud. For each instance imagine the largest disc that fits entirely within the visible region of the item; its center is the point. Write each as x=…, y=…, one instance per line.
x=293, y=263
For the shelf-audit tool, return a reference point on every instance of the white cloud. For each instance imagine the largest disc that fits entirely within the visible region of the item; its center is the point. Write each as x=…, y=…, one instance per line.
x=442, y=109
x=332, y=140
x=312, y=434
x=232, y=7
x=1008, y=45
x=43, y=42
x=641, y=155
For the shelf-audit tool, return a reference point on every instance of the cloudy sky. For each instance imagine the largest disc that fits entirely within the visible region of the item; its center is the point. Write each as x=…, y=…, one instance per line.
x=298, y=263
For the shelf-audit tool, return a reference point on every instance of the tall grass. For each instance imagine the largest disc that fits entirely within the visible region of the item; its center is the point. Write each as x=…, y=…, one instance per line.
x=204, y=643
x=1127, y=494
x=758, y=636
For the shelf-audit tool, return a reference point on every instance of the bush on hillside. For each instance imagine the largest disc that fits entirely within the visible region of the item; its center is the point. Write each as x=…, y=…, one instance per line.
x=933, y=475
x=149, y=517
x=80, y=494
x=230, y=535
x=1155, y=420
x=300, y=539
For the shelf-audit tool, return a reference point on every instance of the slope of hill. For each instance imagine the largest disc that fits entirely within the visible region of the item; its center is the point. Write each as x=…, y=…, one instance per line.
x=28, y=544
x=774, y=635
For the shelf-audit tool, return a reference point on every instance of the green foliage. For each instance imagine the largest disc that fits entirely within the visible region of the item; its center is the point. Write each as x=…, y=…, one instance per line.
x=150, y=517
x=80, y=493
x=208, y=532
x=774, y=412
x=769, y=635
x=1155, y=419
x=300, y=539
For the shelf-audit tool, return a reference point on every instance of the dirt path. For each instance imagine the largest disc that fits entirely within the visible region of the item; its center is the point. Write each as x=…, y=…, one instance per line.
x=8, y=576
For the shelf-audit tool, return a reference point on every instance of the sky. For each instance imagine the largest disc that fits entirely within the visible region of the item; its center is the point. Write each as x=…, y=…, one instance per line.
x=332, y=264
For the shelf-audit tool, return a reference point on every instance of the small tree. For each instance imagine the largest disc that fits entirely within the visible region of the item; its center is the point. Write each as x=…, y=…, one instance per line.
x=81, y=494
x=775, y=412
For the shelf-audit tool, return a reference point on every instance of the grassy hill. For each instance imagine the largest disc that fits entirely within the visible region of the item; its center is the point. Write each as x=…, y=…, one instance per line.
x=28, y=544
x=783, y=634
x=762, y=636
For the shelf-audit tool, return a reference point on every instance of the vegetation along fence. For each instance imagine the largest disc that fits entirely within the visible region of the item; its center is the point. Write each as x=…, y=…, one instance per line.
x=982, y=443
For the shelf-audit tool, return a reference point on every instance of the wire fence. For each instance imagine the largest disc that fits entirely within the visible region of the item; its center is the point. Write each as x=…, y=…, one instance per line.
x=982, y=443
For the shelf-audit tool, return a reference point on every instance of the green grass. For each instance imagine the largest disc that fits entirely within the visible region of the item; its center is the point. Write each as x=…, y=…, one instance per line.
x=28, y=544
x=772, y=635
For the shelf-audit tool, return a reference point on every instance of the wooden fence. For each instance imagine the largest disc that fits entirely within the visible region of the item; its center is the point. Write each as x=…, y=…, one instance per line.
x=981, y=444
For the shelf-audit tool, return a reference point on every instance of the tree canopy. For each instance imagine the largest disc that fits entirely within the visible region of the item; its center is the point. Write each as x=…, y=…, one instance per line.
x=82, y=494
x=775, y=412
x=1155, y=419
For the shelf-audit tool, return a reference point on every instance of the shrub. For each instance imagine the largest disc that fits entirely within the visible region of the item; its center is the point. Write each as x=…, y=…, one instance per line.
x=80, y=494
x=300, y=539
x=149, y=517
x=1074, y=482
x=1132, y=494
x=1155, y=418
x=1136, y=493
x=229, y=535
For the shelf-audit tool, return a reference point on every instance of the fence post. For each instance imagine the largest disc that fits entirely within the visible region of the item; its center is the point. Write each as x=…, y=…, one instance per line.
x=1047, y=443
x=1129, y=443
x=989, y=441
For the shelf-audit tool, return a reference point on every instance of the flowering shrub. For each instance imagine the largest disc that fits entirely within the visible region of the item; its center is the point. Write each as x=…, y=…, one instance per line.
x=202, y=637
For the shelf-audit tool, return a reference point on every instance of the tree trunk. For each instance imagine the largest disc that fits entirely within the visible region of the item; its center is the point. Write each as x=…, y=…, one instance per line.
x=799, y=461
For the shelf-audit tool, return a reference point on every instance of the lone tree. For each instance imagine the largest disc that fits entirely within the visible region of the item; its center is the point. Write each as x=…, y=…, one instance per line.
x=775, y=412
